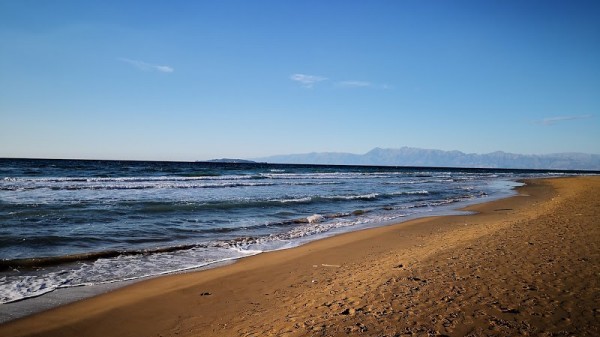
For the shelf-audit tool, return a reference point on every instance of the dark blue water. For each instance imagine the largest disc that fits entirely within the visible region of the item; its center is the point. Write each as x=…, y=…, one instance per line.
x=66, y=223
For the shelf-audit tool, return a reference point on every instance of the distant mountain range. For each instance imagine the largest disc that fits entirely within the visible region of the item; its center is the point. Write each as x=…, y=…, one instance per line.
x=408, y=156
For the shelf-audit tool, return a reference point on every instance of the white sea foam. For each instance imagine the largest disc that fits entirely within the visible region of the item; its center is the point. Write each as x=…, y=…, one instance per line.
x=27, y=286
x=293, y=200
x=334, y=175
x=352, y=197
x=410, y=192
x=315, y=218
x=15, y=286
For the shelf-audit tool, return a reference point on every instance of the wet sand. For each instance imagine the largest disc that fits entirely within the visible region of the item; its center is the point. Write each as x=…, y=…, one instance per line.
x=526, y=265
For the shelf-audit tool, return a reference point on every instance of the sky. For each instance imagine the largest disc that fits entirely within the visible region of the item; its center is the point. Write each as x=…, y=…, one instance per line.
x=197, y=80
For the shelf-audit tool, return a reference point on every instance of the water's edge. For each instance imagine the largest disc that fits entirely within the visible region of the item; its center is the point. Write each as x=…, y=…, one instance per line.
x=63, y=296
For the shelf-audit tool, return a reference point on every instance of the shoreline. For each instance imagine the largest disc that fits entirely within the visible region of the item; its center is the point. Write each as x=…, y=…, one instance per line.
x=339, y=285
x=65, y=295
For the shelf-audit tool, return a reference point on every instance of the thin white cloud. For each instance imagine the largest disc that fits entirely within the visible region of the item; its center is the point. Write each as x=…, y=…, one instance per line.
x=355, y=84
x=164, y=69
x=307, y=81
x=148, y=66
x=554, y=120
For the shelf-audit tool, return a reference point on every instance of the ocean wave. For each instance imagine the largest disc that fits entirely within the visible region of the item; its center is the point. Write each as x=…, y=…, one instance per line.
x=273, y=174
x=130, y=186
x=369, y=196
x=423, y=192
x=122, y=265
x=293, y=200
x=131, y=179
x=326, y=198
x=335, y=175
x=16, y=287
x=141, y=184
x=39, y=262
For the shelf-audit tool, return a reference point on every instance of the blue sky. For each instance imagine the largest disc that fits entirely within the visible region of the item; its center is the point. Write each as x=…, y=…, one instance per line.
x=193, y=80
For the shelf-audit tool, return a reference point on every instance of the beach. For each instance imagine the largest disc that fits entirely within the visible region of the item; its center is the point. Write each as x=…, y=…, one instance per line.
x=525, y=265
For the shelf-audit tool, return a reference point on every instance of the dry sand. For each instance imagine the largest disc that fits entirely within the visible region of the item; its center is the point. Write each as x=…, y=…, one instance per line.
x=526, y=265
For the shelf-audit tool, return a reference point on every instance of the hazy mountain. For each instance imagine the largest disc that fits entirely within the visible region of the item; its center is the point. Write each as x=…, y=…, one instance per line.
x=407, y=156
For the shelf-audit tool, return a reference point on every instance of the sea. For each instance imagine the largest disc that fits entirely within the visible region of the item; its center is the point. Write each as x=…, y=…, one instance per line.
x=78, y=223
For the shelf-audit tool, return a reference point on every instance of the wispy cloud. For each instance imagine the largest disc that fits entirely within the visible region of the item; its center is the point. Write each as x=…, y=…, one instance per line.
x=557, y=119
x=148, y=66
x=307, y=81
x=355, y=84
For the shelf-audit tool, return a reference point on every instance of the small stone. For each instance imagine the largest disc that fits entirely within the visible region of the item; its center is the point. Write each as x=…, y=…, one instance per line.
x=349, y=311
x=511, y=311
